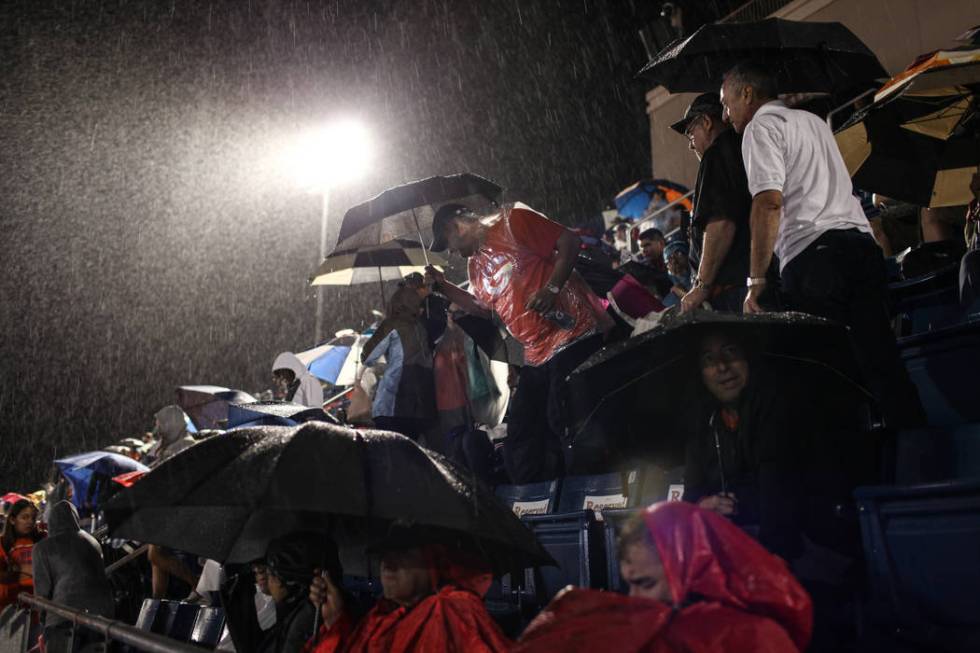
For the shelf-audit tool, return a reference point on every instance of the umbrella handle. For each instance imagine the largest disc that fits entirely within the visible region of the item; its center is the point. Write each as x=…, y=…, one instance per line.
x=721, y=462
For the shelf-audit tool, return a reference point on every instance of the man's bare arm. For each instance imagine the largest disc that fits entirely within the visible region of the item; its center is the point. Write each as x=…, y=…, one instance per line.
x=767, y=207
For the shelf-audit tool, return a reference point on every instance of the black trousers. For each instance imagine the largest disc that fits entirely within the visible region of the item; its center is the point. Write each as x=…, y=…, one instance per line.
x=841, y=276
x=536, y=418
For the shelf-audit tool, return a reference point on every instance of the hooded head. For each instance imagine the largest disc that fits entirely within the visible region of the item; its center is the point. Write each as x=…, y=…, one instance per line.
x=63, y=519
x=291, y=560
x=171, y=424
x=287, y=360
x=705, y=555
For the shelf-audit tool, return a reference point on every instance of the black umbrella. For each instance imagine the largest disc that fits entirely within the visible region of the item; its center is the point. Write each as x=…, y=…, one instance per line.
x=646, y=374
x=273, y=413
x=807, y=57
x=227, y=497
x=409, y=209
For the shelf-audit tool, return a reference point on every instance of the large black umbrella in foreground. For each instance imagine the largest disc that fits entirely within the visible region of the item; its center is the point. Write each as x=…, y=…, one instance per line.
x=227, y=497
x=651, y=379
x=408, y=210
x=807, y=57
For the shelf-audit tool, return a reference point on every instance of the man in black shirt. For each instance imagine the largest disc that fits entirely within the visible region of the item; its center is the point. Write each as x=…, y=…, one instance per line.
x=720, y=221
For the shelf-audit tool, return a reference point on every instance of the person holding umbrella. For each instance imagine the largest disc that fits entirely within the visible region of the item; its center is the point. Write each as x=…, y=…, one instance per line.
x=433, y=599
x=521, y=268
x=804, y=211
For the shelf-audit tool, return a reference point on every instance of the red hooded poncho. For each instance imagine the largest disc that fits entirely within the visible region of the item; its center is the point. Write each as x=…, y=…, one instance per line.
x=744, y=599
x=452, y=619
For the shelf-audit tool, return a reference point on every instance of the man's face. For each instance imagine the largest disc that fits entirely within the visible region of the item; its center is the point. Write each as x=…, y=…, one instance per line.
x=698, y=134
x=404, y=576
x=643, y=571
x=737, y=103
x=724, y=368
x=463, y=237
x=652, y=248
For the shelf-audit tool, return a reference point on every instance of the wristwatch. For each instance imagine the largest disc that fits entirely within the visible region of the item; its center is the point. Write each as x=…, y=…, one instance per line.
x=553, y=289
x=755, y=281
x=701, y=285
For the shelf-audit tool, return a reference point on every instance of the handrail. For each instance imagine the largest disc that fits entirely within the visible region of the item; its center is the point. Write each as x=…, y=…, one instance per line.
x=111, y=629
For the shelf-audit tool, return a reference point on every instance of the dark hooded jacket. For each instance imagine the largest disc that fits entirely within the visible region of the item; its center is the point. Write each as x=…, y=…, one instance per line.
x=68, y=566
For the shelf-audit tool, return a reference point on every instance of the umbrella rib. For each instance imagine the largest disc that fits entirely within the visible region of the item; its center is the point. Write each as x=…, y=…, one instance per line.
x=623, y=387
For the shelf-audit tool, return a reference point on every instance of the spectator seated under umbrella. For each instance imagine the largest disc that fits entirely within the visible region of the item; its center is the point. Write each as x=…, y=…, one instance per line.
x=696, y=583
x=433, y=601
x=289, y=565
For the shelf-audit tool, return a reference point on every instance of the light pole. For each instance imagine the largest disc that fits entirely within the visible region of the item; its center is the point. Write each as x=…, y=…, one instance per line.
x=319, y=160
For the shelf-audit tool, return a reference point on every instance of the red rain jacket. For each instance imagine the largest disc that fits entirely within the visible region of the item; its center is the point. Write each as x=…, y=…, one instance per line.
x=452, y=620
x=745, y=599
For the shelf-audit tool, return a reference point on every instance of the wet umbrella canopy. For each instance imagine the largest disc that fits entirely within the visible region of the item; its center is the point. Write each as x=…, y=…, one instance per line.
x=148, y=242
x=654, y=377
x=228, y=496
x=806, y=56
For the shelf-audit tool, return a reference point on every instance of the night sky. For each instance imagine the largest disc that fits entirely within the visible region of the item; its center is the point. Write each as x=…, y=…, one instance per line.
x=148, y=241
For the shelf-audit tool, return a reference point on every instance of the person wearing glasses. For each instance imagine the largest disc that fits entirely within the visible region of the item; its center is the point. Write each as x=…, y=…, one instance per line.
x=719, y=251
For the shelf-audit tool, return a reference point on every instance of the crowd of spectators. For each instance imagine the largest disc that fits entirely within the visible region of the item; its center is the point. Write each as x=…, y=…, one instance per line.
x=775, y=225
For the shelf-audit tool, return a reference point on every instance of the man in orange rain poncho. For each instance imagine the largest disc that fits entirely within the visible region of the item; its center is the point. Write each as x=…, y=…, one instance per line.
x=697, y=583
x=433, y=601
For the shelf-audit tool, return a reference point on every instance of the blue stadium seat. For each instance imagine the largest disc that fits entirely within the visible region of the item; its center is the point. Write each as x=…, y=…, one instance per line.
x=613, y=520
x=941, y=364
x=208, y=626
x=922, y=545
x=603, y=491
x=656, y=484
x=531, y=499
x=181, y=622
x=575, y=542
x=148, y=614
x=927, y=302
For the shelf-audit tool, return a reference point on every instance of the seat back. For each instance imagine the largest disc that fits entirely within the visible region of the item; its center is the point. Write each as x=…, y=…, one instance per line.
x=208, y=626
x=922, y=545
x=574, y=541
x=530, y=499
x=600, y=492
x=940, y=364
x=612, y=522
x=148, y=614
x=182, y=619
x=658, y=484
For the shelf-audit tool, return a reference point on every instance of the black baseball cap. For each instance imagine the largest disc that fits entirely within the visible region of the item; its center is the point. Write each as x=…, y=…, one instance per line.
x=704, y=104
x=442, y=218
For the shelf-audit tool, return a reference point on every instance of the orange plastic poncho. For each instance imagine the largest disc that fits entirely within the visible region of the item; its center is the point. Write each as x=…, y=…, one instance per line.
x=746, y=600
x=516, y=260
x=451, y=620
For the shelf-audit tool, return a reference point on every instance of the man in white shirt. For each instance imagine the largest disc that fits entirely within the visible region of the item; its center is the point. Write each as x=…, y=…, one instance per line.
x=804, y=211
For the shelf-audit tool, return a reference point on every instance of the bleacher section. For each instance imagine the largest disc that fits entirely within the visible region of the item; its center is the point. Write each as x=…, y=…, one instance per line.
x=185, y=622
x=569, y=518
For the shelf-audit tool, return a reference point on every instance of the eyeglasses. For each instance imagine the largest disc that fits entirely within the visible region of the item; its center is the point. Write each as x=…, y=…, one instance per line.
x=689, y=132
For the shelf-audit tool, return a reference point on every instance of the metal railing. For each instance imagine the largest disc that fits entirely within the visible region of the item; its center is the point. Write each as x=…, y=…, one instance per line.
x=112, y=630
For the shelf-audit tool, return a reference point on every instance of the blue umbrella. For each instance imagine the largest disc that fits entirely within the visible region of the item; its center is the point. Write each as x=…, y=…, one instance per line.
x=80, y=470
x=632, y=201
x=327, y=367
x=272, y=413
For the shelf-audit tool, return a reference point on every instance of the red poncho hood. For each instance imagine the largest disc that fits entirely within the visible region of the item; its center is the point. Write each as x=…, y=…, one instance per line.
x=729, y=594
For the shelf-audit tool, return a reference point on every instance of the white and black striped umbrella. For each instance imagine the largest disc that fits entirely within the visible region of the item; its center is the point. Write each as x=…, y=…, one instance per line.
x=391, y=261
